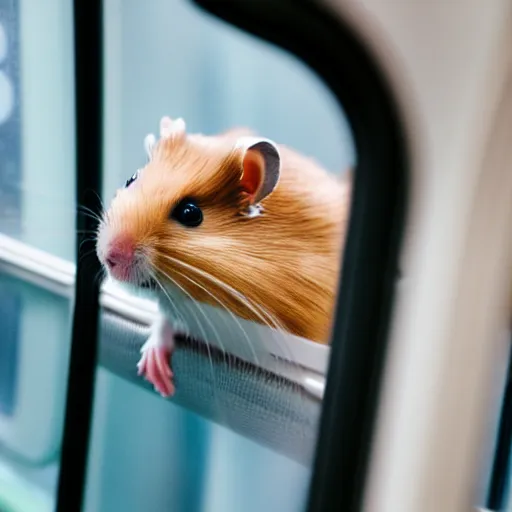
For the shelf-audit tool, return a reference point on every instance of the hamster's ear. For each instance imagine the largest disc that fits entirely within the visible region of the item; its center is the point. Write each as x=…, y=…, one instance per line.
x=170, y=128
x=261, y=166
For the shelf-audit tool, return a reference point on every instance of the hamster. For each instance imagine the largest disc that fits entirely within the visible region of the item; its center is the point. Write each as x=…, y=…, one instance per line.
x=234, y=221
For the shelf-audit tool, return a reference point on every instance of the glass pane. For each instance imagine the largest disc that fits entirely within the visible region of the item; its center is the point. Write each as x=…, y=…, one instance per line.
x=36, y=208
x=168, y=58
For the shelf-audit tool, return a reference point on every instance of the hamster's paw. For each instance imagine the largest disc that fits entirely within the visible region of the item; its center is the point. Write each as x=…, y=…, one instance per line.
x=155, y=367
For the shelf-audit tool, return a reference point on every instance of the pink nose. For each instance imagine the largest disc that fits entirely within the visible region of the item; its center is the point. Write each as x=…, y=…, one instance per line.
x=119, y=257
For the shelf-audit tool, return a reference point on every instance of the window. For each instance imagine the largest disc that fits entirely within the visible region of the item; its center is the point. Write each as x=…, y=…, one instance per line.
x=219, y=78
x=237, y=436
x=36, y=231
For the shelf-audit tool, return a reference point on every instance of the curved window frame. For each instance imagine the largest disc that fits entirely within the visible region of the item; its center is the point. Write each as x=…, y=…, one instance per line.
x=370, y=266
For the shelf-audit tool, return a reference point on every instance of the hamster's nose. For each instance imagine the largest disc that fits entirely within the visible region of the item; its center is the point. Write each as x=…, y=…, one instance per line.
x=120, y=254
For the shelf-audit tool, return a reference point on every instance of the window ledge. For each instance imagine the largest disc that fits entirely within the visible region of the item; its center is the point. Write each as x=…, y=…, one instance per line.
x=296, y=359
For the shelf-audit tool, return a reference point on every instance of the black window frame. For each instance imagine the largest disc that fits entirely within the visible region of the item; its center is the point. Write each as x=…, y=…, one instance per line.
x=328, y=44
x=88, y=64
x=499, y=479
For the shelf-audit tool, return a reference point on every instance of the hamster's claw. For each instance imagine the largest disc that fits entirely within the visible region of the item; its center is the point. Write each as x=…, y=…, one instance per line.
x=154, y=366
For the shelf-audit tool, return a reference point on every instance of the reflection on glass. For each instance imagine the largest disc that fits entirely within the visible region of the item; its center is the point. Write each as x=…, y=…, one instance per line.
x=34, y=349
x=10, y=307
x=36, y=341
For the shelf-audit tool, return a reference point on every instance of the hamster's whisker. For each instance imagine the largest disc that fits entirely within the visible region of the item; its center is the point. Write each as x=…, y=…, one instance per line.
x=205, y=339
x=249, y=342
x=87, y=254
x=216, y=333
x=141, y=274
x=208, y=321
x=86, y=214
x=232, y=292
x=277, y=328
x=100, y=275
x=84, y=241
x=171, y=302
x=87, y=209
x=199, y=323
x=99, y=198
x=89, y=213
x=256, y=309
x=138, y=277
x=57, y=202
x=44, y=229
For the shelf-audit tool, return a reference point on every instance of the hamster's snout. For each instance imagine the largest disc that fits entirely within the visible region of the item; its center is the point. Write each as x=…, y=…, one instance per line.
x=119, y=258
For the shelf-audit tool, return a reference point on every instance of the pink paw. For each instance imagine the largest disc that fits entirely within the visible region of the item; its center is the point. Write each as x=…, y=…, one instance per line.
x=154, y=366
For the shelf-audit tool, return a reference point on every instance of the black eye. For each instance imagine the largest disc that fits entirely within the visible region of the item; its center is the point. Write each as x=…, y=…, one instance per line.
x=129, y=181
x=188, y=213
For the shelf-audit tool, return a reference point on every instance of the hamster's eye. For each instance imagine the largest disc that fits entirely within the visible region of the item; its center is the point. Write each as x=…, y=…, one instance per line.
x=129, y=181
x=187, y=212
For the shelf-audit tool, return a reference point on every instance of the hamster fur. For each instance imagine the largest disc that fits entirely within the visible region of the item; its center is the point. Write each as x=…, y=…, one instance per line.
x=277, y=264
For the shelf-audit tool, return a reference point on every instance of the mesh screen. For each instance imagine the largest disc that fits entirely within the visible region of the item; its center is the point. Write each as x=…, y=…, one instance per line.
x=252, y=402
